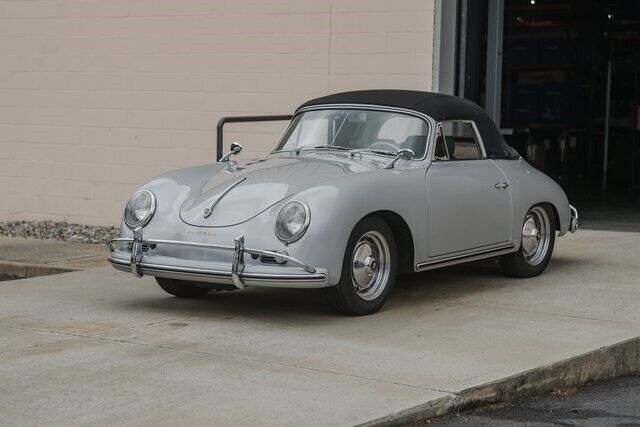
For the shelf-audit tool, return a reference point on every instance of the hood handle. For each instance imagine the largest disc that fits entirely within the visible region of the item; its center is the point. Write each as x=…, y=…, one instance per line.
x=208, y=211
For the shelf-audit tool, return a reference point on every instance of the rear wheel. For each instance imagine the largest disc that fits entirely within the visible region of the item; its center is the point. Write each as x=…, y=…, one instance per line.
x=537, y=240
x=369, y=269
x=181, y=289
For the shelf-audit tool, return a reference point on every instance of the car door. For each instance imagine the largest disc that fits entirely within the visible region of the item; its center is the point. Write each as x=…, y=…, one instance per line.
x=468, y=196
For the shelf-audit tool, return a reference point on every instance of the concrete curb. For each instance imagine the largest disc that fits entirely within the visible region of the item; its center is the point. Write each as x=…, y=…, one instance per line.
x=607, y=362
x=25, y=269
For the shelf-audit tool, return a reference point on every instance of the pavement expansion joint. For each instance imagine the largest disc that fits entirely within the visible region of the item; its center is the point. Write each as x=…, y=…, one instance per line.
x=548, y=313
x=234, y=357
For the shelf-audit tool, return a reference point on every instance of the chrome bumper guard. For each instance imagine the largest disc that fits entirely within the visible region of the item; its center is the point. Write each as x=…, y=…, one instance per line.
x=139, y=245
x=574, y=223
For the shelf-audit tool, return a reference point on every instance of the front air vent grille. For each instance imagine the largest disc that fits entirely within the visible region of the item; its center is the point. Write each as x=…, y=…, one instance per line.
x=269, y=259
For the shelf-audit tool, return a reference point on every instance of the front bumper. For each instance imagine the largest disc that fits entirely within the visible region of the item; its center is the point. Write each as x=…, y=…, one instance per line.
x=574, y=223
x=139, y=261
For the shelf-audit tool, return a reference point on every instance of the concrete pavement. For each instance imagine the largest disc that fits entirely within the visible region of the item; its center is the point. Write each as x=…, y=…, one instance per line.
x=20, y=257
x=100, y=346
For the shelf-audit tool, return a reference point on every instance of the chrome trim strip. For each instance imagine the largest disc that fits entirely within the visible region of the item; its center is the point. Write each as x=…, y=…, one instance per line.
x=473, y=250
x=373, y=107
x=250, y=251
x=169, y=242
x=465, y=257
x=208, y=211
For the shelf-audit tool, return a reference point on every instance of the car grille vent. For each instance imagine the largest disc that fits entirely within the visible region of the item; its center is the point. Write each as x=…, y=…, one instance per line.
x=269, y=259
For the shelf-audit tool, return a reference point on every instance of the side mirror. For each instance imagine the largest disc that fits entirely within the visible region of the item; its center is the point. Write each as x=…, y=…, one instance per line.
x=235, y=149
x=404, y=154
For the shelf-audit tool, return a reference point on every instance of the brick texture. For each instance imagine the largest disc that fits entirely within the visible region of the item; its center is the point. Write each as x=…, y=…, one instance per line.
x=97, y=96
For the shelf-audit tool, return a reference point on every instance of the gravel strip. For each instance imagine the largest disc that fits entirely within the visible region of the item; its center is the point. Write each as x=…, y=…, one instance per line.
x=58, y=231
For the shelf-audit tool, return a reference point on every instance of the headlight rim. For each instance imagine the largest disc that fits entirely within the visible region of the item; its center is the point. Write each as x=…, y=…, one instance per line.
x=305, y=225
x=147, y=218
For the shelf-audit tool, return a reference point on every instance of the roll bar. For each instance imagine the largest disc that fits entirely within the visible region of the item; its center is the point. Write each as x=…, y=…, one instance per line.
x=242, y=119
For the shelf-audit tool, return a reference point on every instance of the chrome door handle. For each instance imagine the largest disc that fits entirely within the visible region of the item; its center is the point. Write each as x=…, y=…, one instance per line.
x=501, y=185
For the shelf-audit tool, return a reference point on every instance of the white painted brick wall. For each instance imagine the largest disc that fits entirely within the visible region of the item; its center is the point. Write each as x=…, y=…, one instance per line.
x=97, y=96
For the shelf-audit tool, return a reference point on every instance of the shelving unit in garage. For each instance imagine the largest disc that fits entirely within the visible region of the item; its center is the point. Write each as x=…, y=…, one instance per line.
x=545, y=86
x=557, y=85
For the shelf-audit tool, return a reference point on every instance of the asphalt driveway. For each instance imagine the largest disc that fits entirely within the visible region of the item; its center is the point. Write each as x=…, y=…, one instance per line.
x=100, y=346
x=607, y=403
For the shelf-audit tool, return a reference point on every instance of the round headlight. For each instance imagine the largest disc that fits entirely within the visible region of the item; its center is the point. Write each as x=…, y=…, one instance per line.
x=139, y=209
x=292, y=221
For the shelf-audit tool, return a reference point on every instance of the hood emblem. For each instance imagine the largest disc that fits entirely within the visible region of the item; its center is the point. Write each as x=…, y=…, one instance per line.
x=200, y=233
x=208, y=211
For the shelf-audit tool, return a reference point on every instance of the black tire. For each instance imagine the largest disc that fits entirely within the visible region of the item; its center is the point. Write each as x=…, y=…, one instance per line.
x=521, y=264
x=181, y=289
x=344, y=296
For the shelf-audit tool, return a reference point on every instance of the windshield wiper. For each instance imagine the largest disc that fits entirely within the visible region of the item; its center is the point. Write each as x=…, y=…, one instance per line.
x=319, y=147
x=369, y=150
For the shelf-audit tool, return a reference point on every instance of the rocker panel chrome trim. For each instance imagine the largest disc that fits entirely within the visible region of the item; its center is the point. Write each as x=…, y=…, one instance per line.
x=465, y=258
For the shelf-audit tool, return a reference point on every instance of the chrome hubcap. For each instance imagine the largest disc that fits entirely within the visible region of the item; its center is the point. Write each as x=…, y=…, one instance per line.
x=370, y=265
x=536, y=235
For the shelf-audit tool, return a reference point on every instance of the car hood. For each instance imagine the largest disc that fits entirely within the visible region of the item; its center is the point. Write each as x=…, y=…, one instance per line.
x=234, y=194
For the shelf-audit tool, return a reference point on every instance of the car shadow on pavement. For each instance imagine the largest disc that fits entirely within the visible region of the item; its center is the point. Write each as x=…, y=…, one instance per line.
x=429, y=288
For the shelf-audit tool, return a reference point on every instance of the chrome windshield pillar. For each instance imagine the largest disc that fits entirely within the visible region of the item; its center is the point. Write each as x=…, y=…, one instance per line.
x=136, y=252
x=237, y=266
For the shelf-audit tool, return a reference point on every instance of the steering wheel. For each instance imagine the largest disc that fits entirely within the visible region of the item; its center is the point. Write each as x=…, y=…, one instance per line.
x=382, y=145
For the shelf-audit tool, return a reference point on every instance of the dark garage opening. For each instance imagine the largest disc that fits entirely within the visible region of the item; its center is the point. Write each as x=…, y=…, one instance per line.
x=570, y=75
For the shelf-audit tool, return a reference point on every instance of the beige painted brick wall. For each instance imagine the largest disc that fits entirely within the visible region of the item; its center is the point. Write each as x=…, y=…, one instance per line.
x=97, y=96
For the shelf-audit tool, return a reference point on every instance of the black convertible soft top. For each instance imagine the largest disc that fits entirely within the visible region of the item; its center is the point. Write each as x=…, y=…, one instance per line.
x=439, y=106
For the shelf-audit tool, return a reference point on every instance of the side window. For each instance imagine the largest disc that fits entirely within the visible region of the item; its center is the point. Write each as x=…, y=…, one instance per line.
x=460, y=141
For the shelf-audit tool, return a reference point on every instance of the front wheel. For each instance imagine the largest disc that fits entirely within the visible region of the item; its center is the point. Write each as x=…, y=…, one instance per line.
x=536, y=246
x=369, y=269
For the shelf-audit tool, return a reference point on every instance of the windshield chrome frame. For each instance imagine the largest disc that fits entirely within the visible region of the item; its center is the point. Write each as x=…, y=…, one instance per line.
x=428, y=119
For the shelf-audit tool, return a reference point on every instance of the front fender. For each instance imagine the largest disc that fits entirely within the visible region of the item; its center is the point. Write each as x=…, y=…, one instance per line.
x=338, y=205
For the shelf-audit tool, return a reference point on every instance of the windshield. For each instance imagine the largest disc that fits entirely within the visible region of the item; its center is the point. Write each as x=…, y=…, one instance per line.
x=358, y=129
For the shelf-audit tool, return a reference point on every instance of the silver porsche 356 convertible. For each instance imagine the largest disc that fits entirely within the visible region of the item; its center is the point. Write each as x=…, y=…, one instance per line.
x=362, y=186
